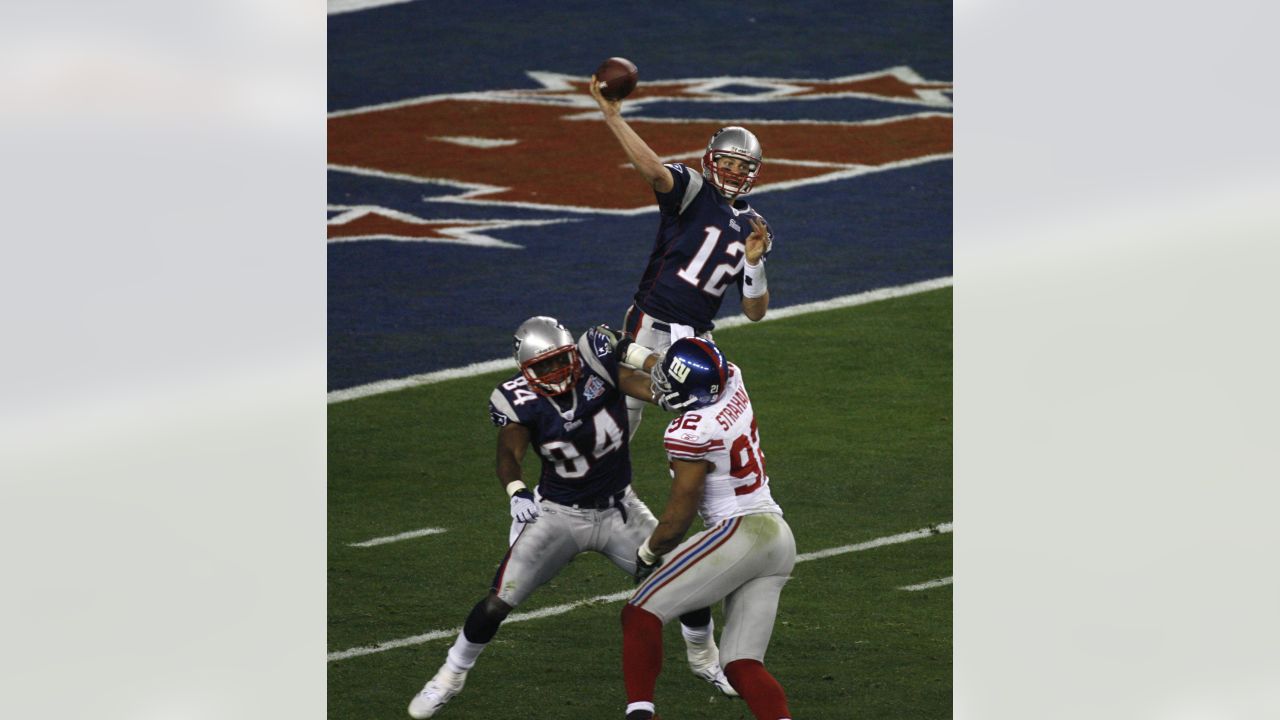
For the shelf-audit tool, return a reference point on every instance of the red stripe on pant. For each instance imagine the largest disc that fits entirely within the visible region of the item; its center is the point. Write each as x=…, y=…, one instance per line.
x=761, y=691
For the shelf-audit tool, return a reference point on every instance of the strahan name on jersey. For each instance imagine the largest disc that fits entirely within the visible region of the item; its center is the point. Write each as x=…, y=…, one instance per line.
x=726, y=435
x=700, y=251
x=582, y=436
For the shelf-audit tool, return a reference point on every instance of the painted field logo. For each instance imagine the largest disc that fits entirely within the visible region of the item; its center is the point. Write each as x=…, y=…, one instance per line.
x=549, y=148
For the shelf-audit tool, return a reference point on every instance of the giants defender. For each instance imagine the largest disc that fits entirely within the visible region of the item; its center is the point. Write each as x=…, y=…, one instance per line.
x=708, y=237
x=744, y=555
x=566, y=401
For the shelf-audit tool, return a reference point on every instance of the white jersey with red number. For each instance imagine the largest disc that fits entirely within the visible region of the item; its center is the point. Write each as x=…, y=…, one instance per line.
x=725, y=435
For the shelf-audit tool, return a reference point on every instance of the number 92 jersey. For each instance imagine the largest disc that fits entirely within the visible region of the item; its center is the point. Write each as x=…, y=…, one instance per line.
x=581, y=437
x=725, y=434
x=699, y=252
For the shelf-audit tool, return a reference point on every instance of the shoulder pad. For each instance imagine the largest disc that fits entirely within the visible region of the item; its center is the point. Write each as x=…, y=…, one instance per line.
x=597, y=355
x=690, y=437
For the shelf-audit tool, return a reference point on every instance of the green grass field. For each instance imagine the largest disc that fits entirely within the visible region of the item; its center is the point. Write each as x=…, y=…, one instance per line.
x=854, y=409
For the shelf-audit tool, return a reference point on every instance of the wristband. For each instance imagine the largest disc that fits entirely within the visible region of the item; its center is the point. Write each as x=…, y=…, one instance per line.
x=514, y=487
x=646, y=554
x=635, y=355
x=754, y=284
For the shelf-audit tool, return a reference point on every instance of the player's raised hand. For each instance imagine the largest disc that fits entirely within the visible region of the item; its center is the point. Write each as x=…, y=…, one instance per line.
x=757, y=241
x=607, y=106
x=524, y=508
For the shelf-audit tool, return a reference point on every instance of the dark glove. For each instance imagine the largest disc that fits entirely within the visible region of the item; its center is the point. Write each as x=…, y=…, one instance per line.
x=644, y=569
x=618, y=342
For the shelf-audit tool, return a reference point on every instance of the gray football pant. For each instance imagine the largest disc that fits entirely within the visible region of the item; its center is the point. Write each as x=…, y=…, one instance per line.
x=744, y=560
x=542, y=549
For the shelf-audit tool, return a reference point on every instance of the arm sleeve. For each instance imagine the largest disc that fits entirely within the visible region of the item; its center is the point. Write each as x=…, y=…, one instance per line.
x=673, y=202
x=596, y=353
x=501, y=411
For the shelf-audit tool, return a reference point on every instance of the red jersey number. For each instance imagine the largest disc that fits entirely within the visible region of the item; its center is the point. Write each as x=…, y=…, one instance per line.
x=746, y=459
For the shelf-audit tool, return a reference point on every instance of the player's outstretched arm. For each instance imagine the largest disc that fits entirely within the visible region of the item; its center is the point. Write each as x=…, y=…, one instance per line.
x=682, y=505
x=642, y=157
x=755, y=289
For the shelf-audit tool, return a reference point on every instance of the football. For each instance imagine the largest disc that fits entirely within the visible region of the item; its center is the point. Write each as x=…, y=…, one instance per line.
x=617, y=77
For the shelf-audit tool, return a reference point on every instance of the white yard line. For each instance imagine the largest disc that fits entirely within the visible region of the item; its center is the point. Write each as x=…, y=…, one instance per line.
x=384, y=386
x=337, y=7
x=623, y=595
x=926, y=585
x=402, y=536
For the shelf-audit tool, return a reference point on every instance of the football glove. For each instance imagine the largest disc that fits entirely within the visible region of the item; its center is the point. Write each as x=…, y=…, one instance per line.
x=646, y=562
x=524, y=508
x=618, y=342
x=644, y=569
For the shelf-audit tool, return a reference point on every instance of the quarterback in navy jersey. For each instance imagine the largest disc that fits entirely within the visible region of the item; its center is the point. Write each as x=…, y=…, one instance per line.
x=567, y=403
x=709, y=237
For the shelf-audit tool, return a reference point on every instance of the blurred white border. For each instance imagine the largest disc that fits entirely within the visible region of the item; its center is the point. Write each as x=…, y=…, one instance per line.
x=1116, y=254
x=162, y=469
x=162, y=480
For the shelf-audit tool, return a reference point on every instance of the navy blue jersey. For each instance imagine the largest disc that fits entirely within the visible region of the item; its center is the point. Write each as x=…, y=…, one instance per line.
x=582, y=438
x=699, y=252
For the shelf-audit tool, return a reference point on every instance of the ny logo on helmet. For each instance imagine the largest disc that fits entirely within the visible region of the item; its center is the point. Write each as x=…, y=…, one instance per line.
x=679, y=370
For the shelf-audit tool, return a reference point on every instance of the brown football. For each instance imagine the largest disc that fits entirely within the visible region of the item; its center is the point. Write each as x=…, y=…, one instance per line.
x=617, y=77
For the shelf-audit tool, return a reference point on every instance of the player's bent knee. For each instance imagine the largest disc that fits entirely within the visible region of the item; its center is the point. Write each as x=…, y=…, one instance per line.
x=496, y=608
x=634, y=617
x=485, y=619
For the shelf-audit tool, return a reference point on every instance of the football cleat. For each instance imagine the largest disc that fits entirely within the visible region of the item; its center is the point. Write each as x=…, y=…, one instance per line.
x=438, y=691
x=704, y=661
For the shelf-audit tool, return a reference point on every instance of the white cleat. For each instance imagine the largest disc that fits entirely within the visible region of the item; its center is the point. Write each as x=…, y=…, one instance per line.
x=438, y=691
x=704, y=661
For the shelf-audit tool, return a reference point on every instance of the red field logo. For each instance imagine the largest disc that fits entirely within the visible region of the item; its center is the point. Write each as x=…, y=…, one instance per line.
x=549, y=148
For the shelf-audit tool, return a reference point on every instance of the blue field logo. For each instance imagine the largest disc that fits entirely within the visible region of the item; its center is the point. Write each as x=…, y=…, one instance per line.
x=548, y=148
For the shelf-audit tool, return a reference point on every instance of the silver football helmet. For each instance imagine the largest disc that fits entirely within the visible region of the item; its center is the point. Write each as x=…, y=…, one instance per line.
x=738, y=142
x=548, y=359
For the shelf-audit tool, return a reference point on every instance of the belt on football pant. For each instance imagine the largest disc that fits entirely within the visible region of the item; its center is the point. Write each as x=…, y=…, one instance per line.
x=653, y=322
x=599, y=503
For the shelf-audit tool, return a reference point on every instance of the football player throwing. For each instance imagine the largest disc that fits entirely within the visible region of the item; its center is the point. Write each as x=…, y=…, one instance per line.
x=709, y=237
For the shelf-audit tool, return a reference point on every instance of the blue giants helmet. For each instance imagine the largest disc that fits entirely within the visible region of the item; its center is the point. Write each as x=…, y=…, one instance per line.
x=690, y=376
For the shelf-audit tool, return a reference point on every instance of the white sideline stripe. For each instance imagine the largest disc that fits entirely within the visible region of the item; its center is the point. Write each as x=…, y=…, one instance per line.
x=402, y=536
x=623, y=595
x=926, y=585
x=337, y=7
x=480, y=368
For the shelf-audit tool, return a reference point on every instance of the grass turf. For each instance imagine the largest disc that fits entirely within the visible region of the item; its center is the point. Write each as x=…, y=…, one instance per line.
x=854, y=409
